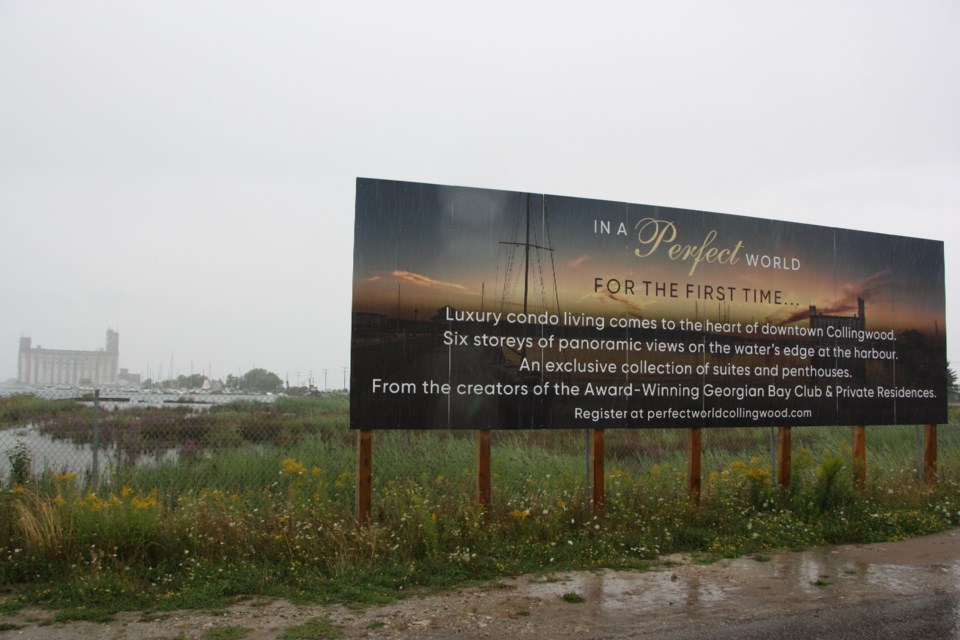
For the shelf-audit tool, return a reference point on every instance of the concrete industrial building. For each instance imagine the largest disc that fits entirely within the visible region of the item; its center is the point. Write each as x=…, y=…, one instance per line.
x=39, y=366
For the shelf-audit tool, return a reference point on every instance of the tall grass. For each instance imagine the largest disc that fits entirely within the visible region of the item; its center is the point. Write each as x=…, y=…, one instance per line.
x=22, y=408
x=275, y=515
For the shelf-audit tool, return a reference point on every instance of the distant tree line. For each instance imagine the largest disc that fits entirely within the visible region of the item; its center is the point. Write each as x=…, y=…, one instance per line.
x=255, y=380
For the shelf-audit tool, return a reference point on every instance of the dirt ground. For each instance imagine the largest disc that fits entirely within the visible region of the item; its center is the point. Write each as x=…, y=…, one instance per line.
x=677, y=595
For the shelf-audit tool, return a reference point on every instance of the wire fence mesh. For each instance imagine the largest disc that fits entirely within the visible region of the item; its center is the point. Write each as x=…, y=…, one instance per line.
x=179, y=441
x=100, y=435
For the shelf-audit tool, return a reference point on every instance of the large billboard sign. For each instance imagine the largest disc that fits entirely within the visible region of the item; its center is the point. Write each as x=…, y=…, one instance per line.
x=483, y=309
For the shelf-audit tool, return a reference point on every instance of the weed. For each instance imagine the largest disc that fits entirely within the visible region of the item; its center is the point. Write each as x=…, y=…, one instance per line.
x=572, y=596
x=20, y=463
x=88, y=614
x=316, y=629
x=12, y=604
x=226, y=633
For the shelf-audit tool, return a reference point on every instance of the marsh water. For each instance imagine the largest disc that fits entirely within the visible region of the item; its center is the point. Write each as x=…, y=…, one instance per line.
x=60, y=454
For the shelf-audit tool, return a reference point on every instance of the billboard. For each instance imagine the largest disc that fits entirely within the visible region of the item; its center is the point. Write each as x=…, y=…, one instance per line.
x=485, y=309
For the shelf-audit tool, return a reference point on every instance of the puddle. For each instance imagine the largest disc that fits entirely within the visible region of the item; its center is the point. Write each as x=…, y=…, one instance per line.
x=746, y=587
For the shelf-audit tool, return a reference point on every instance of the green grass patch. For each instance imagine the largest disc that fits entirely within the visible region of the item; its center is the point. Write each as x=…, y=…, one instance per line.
x=316, y=629
x=21, y=409
x=12, y=604
x=226, y=633
x=85, y=613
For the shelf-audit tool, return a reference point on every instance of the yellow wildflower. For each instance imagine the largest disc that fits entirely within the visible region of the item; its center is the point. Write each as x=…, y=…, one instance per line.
x=757, y=473
x=290, y=467
x=145, y=502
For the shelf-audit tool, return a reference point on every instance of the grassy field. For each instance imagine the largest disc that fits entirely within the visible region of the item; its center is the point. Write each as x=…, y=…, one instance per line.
x=261, y=503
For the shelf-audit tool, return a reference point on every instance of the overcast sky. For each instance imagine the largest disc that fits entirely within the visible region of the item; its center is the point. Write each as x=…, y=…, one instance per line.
x=184, y=172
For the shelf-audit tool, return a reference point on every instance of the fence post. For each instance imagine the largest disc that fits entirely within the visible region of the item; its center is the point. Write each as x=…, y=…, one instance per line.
x=96, y=440
x=783, y=457
x=930, y=455
x=693, y=463
x=364, y=476
x=859, y=457
x=597, y=466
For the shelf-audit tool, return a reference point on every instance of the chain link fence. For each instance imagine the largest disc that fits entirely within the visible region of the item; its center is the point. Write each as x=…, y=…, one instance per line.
x=230, y=441
x=106, y=435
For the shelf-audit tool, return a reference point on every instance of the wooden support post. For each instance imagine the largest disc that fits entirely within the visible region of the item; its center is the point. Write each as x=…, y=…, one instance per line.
x=860, y=457
x=364, y=476
x=596, y=466
x=784, y=446
x=693, y=463
x=483, y=470
x=930, y=455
